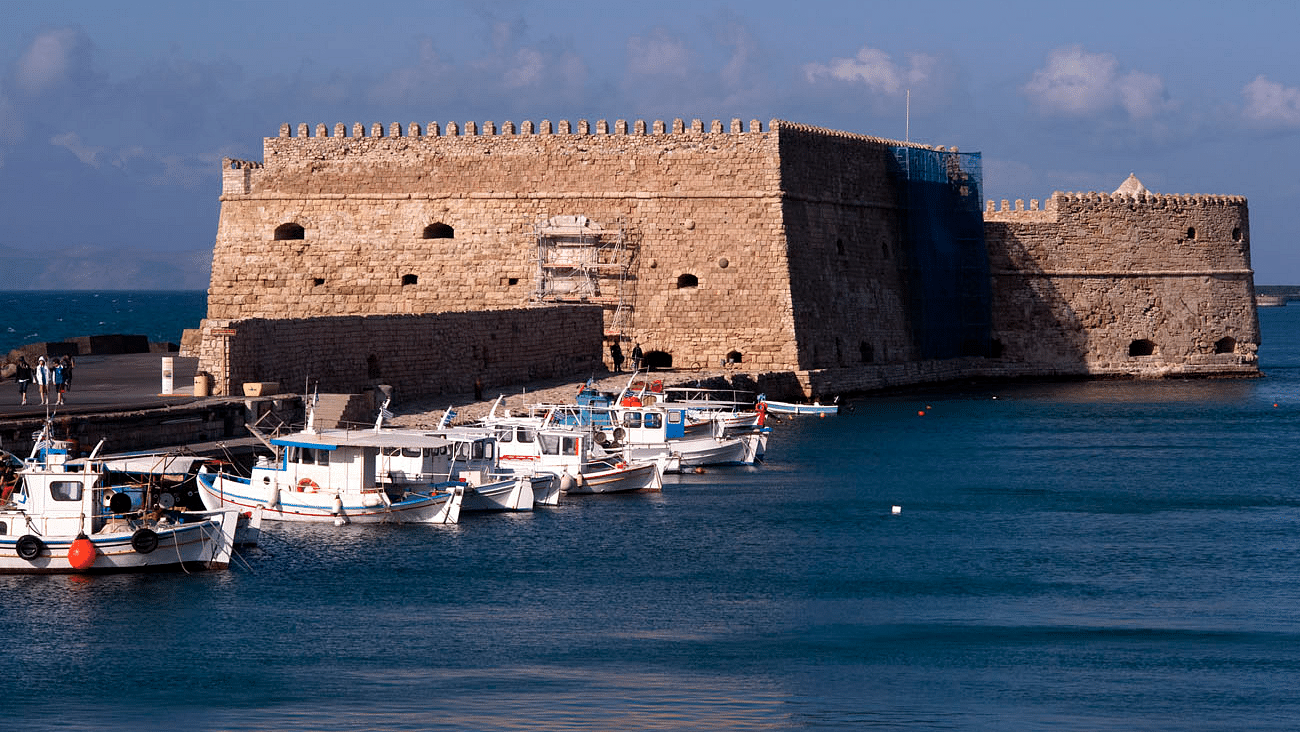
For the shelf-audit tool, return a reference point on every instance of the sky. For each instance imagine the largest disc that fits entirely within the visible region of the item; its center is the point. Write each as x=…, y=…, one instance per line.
x=114, y=116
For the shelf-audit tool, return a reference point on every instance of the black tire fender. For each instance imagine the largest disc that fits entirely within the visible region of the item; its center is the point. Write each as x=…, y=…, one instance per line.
x=144, y=540
x=29, y=546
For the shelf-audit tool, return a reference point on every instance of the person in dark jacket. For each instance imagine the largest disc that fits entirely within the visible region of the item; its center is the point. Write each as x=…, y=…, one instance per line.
x=616, y=355
x=24, y=377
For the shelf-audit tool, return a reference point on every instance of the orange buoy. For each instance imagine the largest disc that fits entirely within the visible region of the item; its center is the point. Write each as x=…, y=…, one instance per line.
x=81, y=555
x=920, y=412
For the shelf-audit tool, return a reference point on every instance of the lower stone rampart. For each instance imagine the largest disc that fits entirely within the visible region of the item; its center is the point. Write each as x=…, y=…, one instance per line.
x=416, y=355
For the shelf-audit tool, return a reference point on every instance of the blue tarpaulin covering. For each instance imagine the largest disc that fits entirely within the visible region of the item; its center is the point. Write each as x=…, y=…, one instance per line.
x=946, y=269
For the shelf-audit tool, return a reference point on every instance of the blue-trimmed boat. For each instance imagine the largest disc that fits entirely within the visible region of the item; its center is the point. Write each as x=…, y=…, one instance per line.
x=334, y=476
x=61, y=514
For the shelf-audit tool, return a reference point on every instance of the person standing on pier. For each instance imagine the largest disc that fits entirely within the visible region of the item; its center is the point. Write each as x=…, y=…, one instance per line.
x=24, y=377
x=59, y=371
x=68, y=364
x=616, y=355
x=44, y=379
x=636, y=357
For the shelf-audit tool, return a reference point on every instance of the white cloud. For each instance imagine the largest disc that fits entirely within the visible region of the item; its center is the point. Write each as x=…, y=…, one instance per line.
x=527, y=69
x=1270, y=103
x=657, y=55
x=876, y=70
x=52, y=58
x=71, y=141
x=1076, y=83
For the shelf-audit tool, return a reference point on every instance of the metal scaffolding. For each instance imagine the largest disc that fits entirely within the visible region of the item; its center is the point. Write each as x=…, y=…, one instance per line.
x=579, y=261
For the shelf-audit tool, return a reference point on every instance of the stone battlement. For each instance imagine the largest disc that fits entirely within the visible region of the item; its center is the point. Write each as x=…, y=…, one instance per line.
x=1100, y=202
x=564, y=127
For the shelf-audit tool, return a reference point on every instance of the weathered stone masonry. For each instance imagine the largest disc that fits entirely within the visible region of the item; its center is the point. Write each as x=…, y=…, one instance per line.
x=1125, y=284
x=786, y=249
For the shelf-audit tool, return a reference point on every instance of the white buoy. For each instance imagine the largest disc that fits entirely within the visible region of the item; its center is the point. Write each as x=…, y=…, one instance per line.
x=897, y=510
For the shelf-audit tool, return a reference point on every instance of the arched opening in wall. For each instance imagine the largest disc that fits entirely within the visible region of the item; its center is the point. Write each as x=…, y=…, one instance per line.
x=1141, y=347
x=867, y=351
x=439, y=231
x=996, y=348
x=372, y=367
x=1191, y=233
x=410, y=279
x=839, y=246
x=658, y=360
x=288, y=231
x=1236, y=233
x=687, y=280
x=972, y=347
x=734, y=357
x=1225, y=345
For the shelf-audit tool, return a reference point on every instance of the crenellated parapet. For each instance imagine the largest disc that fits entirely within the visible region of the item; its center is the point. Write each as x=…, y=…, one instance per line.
x=1103, y=203
x=545, y=127
x=236, y=175
x=583, y=127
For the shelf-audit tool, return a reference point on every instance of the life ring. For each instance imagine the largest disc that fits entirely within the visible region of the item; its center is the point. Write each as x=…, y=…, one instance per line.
x=29, y=547
x=307, y=485
x=144, y=540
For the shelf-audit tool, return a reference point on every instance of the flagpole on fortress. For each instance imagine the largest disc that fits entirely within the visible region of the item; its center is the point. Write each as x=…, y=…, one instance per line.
x=907, y=118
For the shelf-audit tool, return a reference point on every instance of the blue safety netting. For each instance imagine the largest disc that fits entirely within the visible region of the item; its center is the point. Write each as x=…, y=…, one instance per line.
x=945, y=263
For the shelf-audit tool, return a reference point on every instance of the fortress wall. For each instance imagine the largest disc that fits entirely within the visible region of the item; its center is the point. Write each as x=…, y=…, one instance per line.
x=415, y=354
x=701, y=203
x=1076, y=284
x=843, y=228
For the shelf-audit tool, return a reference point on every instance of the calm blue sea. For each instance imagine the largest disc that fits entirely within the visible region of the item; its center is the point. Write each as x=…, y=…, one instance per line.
x=51, y=315
x=1095, y=556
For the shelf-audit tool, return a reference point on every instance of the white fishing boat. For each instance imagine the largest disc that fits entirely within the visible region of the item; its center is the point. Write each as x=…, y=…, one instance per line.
x=332, y=475
x=469, y=459
x=569, y=451
x=170, y=477
x=642, y=429
x=779, y=407
x=59, y=515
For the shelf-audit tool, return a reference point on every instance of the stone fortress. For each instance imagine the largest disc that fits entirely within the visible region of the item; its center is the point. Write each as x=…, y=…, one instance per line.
x=426, y=257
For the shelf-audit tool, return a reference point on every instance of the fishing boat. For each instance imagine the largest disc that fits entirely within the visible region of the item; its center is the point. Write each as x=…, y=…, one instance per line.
x=333, y=476
x=779, y=407
x=470, y=459
x=643, y=429
x=61, y=514
x=570, y=452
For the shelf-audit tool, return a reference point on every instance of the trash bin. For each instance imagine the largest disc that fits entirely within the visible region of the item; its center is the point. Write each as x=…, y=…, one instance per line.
x=200, y=385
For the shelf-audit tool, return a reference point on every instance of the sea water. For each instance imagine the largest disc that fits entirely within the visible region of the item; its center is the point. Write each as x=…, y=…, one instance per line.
x=55, y=315
x=1111, y=555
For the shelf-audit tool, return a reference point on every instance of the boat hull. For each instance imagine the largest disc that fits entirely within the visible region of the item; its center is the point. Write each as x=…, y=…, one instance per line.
x=511, y=494
x=219, y=490
x=204, y=541
x=797, y=409
x=632, y=477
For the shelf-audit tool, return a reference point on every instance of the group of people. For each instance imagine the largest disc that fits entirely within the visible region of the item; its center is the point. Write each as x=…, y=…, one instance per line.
x=53, y=378
x=616, y=355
